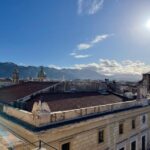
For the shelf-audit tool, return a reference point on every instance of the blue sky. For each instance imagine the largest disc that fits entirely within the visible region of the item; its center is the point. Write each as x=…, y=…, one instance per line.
x=70, y=33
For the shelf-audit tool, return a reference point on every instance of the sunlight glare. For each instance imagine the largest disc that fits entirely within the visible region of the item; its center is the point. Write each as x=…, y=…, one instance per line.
x=148, y=24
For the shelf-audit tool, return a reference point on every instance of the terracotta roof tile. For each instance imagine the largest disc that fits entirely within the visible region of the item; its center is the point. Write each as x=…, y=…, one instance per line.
x=56, y=101
x=68, y=101
x=12, y=93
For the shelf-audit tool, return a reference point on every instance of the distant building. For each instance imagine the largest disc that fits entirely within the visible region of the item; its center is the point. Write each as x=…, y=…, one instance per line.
x=144, y=86
x=5, y=82
x=82, y=85
x=41, y=74
x=15, y=76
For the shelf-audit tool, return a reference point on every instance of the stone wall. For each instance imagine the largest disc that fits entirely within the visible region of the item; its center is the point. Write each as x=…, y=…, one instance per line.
x=44, y=118
x=84, y=135
x=20, y=114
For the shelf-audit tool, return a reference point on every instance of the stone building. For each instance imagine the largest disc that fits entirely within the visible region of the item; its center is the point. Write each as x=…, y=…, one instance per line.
x=74, y=121
x=81, y=85
x=144, y=86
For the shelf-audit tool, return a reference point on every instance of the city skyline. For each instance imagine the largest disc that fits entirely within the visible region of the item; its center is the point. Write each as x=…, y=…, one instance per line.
x=110, y=37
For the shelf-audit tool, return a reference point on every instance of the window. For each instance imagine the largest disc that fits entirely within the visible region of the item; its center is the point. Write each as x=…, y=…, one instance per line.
x=133, y=145
x=143, y=143
x=122, y=145
x=133, y=124
x=65, y=146
x=101, y=136
x=121, y=128
x=144, y=119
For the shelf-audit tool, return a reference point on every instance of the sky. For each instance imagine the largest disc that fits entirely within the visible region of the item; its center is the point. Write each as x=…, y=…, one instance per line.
x=109, y=36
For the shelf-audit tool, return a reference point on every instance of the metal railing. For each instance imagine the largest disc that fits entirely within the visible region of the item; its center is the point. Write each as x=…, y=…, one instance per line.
x=38, y=145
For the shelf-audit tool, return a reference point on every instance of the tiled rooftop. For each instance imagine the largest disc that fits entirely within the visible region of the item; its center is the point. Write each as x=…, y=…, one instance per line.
x=14, y=92
x=68, y=101
x=56, y=101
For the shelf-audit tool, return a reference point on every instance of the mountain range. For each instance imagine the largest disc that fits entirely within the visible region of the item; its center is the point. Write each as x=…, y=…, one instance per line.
x=7, y=68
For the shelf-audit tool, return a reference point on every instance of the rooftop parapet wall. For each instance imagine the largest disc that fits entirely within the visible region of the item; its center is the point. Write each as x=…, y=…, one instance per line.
x=44, y=118
x=19, y=114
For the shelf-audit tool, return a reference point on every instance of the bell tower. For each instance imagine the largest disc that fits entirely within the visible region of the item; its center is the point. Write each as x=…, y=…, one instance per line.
x=15, y=76
x=41, y=74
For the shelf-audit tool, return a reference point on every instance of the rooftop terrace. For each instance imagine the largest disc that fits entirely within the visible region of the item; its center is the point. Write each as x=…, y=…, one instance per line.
x=56, y=101
x=14, y=92
x=68, y=101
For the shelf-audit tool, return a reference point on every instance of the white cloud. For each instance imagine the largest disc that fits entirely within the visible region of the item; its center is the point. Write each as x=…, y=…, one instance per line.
x=22, y=64
x=95, y=6
x=99, y=38
x=72, y=54
x=106, y=66
x=89, y=6
x=83, y=46
x=54, y=66
x=80, y=2
x=126, y=69
x=81, y=56
x=90, y=44
x=113, y=67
